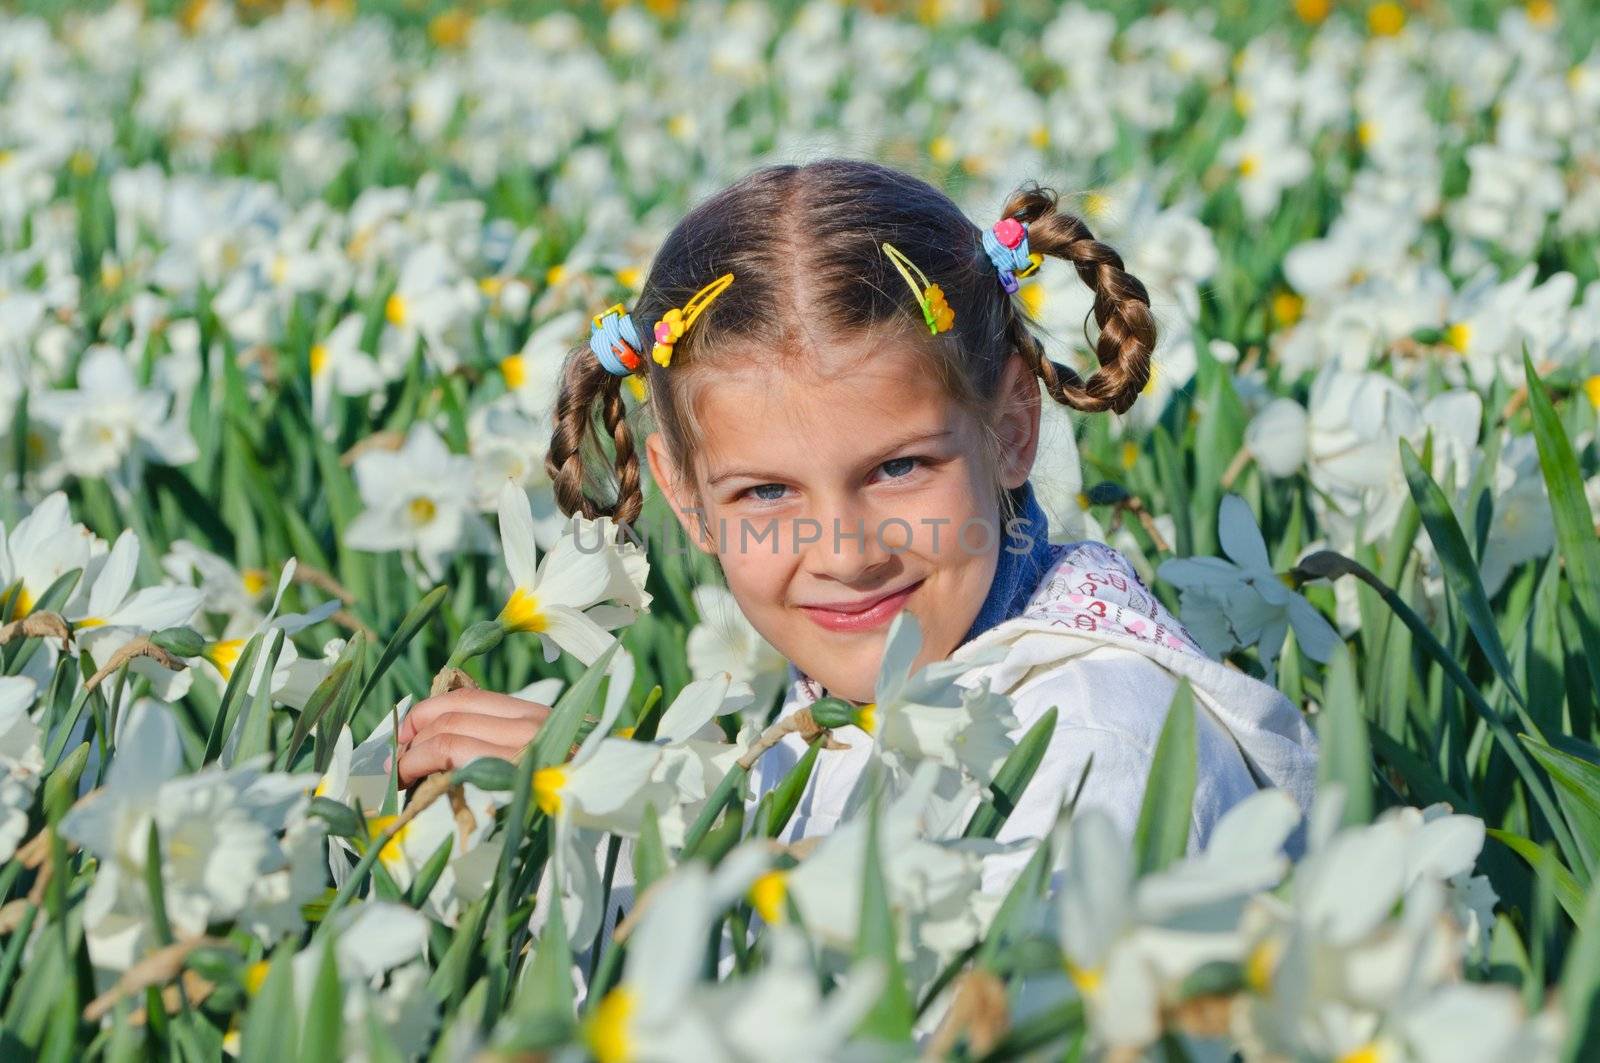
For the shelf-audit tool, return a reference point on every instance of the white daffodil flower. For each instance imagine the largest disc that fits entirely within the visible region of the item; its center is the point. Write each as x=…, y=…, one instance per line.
x=1468, y=1023
x=507, y=444
x=106, y=612
x=99, y=424
x=1276, y=438
x=1130, y=943
x=605, y=788
x=220, y=833
x=434, y=303
x=378, y=949
x=695, y=753
x=780, y=1014
x=577, y=593
x=41, y=548
x=21, y=760
x=725, y=641
x=474, y=855
x=1058, y=477
x=533, y=374
x=234, y=592
x=340, y=367
x=1266, y=161
x=926, y=715
x=659, y=1012
x=1242, y=602
x=934, y=881
x=358, y=777
x=293, y=678
x=417, y=498
x=1329, y=965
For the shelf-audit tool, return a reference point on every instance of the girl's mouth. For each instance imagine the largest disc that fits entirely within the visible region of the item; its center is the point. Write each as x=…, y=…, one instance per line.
x=865, y=617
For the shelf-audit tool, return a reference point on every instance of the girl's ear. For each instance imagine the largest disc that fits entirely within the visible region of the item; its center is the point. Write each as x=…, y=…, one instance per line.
x=1018, y=426
x=684, y=507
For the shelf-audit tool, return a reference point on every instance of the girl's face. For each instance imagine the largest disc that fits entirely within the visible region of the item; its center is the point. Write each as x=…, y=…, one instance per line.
x=833, y=501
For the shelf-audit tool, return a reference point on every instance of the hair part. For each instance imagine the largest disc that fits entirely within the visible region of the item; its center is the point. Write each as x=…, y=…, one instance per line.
x=804, y=245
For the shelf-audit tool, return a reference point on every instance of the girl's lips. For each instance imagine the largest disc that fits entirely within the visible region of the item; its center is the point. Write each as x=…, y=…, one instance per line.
x=878, y=613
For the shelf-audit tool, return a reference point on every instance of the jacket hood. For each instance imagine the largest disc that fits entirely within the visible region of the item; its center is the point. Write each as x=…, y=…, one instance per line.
x=1090, y=596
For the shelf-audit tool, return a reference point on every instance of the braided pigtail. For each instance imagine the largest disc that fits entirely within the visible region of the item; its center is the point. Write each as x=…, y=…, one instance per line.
x=575, y=443
x=1121, y=308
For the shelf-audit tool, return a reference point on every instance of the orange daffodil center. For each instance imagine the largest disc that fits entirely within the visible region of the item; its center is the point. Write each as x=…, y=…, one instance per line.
x=522, y=612
x=767, y=894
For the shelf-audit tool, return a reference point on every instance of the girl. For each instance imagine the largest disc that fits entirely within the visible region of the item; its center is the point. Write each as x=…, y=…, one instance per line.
x=847, y=401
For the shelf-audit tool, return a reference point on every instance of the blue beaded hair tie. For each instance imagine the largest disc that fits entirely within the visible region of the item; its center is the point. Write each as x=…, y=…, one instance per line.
x=615, y=341
x=1007, y=245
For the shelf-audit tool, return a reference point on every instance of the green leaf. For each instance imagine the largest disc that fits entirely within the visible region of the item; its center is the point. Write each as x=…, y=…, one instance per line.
x=786, y=795
x=1342, y=733
x=1460, y=571
x=560, y=728
x=1548, y=867
x=1423, y=782
x=1162, y=834
x=1328, y=564
x=341, y=819
x=487, y=773
x=1010, y=918
x=255, y=729
x=1575, y=536
x=726, y=794
x=449, y=980
x=1012, y=779
x=322, y=1036
x=243, y=669
x=326, y=694
x=891, y=1015
x=154, y=888
x=270, y=1023
x=61, y=785
x=1577, y=790
x=547, y=988
x=649, y=854
x=428, y=874
x=1580, y=985
x=409, y=626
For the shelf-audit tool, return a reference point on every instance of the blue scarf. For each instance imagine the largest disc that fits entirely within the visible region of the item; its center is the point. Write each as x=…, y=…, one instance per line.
x=1016, y=575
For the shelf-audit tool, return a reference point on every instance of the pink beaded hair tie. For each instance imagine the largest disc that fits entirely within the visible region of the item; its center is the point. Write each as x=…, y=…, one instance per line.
x=1007, y=245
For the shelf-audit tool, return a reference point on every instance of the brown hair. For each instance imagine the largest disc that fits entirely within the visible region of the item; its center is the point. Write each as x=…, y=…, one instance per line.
x=803, y=245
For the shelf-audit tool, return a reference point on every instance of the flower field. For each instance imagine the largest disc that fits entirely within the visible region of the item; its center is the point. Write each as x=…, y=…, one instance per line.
x=285, y=291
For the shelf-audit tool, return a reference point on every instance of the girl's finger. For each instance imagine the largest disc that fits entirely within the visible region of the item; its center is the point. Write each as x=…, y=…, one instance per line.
x=495, y=729
x=446, y=752
x=482, y=702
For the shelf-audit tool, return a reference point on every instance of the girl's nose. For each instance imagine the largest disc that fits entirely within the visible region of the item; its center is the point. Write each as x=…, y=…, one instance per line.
x=854, y=545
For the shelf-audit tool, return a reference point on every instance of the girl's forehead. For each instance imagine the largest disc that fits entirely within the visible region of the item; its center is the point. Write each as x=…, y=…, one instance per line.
x=773, y=410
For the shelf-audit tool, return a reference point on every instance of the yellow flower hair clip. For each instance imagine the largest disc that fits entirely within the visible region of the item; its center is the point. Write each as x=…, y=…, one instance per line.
x=935, y=310
x=675, y=322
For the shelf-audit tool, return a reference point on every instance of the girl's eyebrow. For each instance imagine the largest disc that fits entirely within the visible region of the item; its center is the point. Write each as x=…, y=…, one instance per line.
x=883, y=455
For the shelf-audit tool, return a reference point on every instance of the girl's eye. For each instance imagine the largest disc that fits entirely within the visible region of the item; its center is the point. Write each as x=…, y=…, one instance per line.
x=758, y=488
x=896, y=468
x=905, y=465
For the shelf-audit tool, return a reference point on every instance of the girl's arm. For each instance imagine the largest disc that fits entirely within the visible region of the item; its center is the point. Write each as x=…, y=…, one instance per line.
x=451, y=730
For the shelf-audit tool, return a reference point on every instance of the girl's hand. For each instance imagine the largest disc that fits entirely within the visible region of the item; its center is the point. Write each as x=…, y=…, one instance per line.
x=455, y=729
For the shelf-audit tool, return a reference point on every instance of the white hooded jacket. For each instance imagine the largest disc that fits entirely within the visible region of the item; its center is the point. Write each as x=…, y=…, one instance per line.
x=1094, y=643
